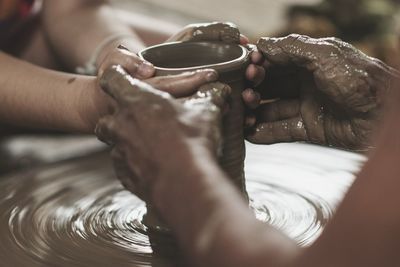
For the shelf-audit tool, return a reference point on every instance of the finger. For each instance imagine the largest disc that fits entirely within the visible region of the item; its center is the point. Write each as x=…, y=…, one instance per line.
x=280, y=131
x=255, y=74
x=251, y=98
x=296, y=49
x=105, y=130
x=228, y=32
x=257, y=57
x=216, y=31
x=184, y=84
x=217, y=93
x=118, y=84
x=244, y=40
x=250, y=121
x=278, y=110
x=134, y=65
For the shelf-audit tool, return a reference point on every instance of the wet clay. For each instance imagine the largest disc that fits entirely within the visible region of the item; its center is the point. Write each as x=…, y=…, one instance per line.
x=230, y=61
x=217, y=31
x=75, y=213
x=329, y=93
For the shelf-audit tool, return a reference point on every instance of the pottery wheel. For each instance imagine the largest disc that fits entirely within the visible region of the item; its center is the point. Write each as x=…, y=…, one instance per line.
x=75, y=213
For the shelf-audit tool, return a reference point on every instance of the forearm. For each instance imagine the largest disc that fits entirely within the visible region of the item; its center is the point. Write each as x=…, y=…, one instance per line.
x=212, y=221
x=365, y=229
x=42, y=99
x=76, y=28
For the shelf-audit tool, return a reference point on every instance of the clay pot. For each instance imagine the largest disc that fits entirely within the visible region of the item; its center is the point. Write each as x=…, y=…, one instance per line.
x=230, y=61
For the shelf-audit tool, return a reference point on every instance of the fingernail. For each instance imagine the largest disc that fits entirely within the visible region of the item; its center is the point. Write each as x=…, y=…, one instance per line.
x=146, y=68
x=212, y=76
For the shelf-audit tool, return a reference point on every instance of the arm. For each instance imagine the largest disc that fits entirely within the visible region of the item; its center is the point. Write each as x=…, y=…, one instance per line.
x=214, y=225
x=87, y=23
x=365, y=231
x=206, y=213
x=222, y=232
x=191, y=192
x=42, y=99
x=34, y=97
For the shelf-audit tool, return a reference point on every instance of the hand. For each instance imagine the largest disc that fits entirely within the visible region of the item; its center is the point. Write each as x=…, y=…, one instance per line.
x=329, y=93
x=229, y=33
x=132, y=64
x=152, y=133
x=216, y=31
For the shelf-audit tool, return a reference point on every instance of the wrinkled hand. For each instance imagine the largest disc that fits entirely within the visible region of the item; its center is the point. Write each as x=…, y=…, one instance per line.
x=150, y=129
x=329, y=93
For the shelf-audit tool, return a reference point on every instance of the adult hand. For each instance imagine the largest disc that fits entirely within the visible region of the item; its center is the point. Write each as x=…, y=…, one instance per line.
x=96, y=103
x=329, y=93
x=216, y=31
x=229, y=33
x=150, y=129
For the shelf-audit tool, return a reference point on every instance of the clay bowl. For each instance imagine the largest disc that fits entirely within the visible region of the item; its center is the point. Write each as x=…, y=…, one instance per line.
x=229, y=60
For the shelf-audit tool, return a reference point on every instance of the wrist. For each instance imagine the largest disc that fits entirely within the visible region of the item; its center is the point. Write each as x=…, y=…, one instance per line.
x=188, y=171
x=92, y=104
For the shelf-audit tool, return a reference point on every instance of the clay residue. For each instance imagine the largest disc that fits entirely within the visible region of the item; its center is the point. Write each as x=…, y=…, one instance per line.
x=76, y=213
x=329, y=93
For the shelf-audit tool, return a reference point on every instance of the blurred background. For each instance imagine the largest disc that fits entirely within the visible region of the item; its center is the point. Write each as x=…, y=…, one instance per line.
x=369, y=24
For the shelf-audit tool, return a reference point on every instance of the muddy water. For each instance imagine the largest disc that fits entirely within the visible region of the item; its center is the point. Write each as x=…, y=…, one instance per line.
x=75, y=213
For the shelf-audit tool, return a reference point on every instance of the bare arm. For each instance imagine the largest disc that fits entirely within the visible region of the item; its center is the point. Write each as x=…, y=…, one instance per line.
x=42, y=99
x=366, y=229
x=87, y=23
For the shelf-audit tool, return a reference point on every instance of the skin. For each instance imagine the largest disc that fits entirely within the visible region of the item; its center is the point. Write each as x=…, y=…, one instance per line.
x=229, y=33
x=223, y=231
x=328, y=93
x=67, y=102
x=200, y=112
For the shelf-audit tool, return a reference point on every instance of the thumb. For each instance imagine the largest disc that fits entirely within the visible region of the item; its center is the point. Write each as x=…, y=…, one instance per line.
x=296, y=49
x=290, y=130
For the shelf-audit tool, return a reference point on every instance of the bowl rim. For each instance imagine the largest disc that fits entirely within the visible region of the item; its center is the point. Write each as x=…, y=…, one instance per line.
x=217, y=66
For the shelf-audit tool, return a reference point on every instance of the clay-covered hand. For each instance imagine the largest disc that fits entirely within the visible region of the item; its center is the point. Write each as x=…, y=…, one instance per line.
x=328, y=93
x=133, y=64
x=97, y=104
x=216, y=31
x=152, y=133
x=229, y=33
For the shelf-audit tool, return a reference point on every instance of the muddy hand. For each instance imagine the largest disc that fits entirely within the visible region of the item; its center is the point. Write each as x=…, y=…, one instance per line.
x=229, y=33
x=329, y=93
x=153, y=133
x=216, y=31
